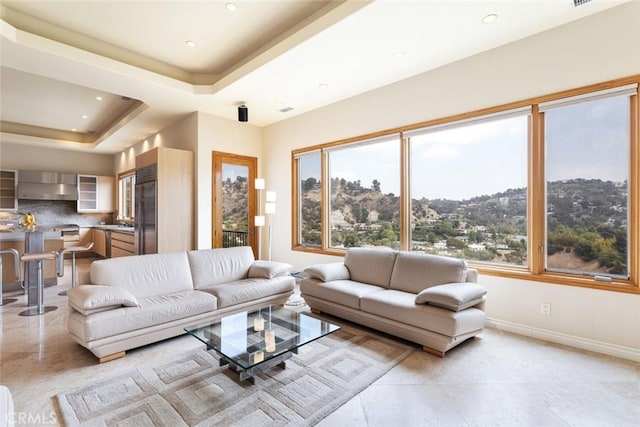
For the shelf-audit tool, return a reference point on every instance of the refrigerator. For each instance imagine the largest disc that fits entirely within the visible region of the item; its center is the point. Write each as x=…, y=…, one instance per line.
x=146, y=206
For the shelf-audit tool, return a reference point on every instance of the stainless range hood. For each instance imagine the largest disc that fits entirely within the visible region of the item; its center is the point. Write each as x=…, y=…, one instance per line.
x=33, y=185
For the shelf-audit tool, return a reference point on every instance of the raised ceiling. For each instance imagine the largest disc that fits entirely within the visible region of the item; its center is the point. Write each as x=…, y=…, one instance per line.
x=281, y=58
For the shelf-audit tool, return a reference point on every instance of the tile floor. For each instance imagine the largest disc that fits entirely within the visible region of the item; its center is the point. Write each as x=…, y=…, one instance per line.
x=497, y=379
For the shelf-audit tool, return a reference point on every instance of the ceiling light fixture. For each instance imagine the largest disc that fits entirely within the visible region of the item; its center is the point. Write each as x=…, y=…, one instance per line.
x=323, y=85
x=231, y=7
x=488, y=19
x=399, y=55
x=98, y=98
x=74, y=130
x=84, y=116
x=190, y=43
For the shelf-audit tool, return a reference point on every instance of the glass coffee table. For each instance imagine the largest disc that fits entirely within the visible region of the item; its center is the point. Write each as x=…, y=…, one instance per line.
x=250, y=342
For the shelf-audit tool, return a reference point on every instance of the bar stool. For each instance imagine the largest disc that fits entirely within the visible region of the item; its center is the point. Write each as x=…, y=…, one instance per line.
x=38, y=258
x=16, y=261
x=60, y=264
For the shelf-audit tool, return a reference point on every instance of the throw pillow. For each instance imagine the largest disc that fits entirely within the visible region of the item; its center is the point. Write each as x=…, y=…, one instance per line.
x=89, y=299
x=269, y=269
x=453, y=296
x=328, y=272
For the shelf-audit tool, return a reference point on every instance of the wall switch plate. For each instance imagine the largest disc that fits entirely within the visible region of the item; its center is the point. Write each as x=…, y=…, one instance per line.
x=545, y=309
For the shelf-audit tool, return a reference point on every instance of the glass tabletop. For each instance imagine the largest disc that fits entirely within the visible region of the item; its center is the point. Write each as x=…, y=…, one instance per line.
x=248, y=339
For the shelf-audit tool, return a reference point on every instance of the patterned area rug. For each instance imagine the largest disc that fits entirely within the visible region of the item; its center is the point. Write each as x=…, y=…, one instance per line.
x=190, y=389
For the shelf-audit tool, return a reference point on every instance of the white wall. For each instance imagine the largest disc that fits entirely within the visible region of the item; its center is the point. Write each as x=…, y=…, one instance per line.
x=596, y=49
x=182, y=134
x=219, y=134
x=18, y=156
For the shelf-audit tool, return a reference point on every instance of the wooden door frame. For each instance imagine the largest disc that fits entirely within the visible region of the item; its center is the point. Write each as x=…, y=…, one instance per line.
x=218, y=159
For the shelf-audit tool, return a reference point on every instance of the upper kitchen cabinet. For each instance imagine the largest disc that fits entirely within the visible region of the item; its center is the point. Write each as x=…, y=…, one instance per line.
x=96, y=193
x=8, y=199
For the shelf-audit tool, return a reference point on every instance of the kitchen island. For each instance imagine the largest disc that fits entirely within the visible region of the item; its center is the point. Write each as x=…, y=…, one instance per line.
x=37, y=239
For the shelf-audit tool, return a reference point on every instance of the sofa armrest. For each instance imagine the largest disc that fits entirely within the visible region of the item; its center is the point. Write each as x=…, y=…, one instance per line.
x=328, y=272
x=452, y=296
x=88, y=299
x=269, y=269
x=472, y=275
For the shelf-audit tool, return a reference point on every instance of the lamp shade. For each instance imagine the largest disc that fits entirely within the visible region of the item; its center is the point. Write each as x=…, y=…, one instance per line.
x=259, y=184
x=271, y=196
x=258, y=221
x=270, y=208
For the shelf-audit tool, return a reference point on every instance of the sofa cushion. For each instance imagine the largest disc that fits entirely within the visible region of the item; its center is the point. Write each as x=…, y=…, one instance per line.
x=344, y=292
x=328, y=272
x=144, y=275
x=400, y=306
x=89, y=299
x=153, y=310
x=221, y=265
x=452, y=296
x=368, y=265
x=416, y=271
x=269, y=269
x=246, y=290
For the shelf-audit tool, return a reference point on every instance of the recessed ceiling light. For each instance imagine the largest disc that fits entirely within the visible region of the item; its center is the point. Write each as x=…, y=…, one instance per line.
x=98, y=98
x=190, y=43
x=323, y=85
x=399, y=55
x=231, y=7
x=84, y=116
x=488, y=19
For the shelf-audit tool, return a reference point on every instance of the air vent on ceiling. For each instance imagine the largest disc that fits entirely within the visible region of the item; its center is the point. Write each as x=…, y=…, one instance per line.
x=286, y=109
x=577, y=3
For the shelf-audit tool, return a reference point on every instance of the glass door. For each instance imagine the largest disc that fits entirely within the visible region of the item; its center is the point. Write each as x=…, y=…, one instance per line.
x=234, y=201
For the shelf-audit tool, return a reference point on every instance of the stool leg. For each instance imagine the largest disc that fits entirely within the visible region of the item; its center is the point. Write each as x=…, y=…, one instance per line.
x=40, y=308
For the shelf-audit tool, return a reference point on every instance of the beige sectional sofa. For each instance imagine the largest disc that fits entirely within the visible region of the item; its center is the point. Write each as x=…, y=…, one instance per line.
x=428, y=299
x=137, y=300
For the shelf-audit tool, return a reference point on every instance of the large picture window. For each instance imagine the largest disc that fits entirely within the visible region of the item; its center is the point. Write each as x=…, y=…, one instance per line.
x=469, y=189
x=587, y=185
x=364, y=188
x=546, y=189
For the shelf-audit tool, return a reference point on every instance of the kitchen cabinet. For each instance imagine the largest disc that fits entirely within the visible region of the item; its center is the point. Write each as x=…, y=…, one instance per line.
x=165, y=202
x=85, y=235
x=122, y=244
x=99, y=242
x=8, y=184
x=96, y=193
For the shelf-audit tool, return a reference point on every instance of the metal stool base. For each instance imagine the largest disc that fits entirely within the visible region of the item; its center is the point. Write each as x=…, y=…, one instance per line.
x=33, y=311
x=6, y=301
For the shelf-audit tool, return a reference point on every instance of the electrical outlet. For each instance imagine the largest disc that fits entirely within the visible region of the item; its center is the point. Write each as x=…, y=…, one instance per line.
x=545, y=309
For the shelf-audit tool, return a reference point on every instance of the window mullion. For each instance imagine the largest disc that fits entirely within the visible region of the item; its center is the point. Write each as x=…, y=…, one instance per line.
x=405, y=194
x=536, y=196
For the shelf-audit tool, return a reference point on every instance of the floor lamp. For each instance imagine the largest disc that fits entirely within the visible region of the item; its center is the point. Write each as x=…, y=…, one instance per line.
x=270, y=209
x=258, y=220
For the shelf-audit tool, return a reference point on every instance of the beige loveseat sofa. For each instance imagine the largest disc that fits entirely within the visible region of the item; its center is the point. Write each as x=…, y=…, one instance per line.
x=138, y=300
x=428, y=299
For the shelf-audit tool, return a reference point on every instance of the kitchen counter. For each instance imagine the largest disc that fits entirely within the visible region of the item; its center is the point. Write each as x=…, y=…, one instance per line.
x=19, y=233
x=114, y=227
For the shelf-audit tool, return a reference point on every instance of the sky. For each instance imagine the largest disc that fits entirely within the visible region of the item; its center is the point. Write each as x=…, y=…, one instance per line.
x=587, y=140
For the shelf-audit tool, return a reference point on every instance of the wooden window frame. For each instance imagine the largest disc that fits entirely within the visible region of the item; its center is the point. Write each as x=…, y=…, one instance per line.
x=535, y=271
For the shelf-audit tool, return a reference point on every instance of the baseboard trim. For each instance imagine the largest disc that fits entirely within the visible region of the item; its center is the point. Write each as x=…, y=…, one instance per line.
x=570, y=340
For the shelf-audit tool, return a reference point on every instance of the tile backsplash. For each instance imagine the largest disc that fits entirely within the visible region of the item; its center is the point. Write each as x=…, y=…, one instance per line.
x=55, y=212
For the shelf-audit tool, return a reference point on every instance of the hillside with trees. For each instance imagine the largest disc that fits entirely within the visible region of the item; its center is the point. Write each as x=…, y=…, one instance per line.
x=587, y=223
